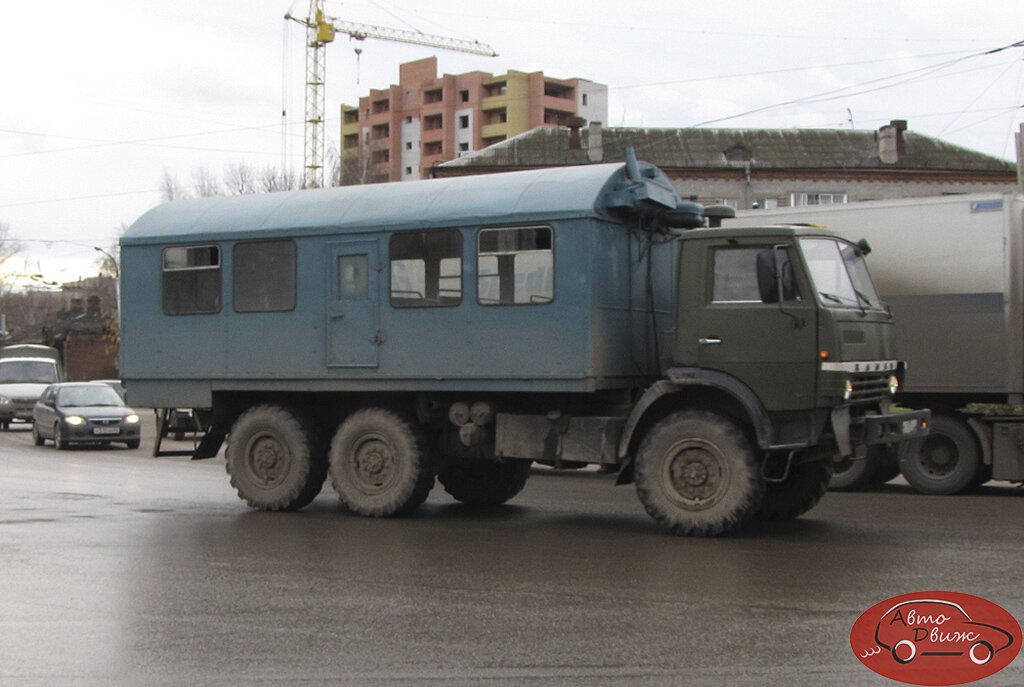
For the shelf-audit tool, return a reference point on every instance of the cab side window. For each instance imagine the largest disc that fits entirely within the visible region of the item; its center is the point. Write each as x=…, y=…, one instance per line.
x=752, y=275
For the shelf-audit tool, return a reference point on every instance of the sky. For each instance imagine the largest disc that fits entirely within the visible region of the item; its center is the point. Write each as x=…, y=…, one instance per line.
x=102, y=101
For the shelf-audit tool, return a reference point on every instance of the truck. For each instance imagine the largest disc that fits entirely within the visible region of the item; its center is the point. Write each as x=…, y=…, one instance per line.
x=25, y=370
x=952, y=272
x=393, y=335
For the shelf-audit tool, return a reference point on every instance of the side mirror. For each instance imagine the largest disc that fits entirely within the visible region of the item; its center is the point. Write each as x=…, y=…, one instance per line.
x=775, y=274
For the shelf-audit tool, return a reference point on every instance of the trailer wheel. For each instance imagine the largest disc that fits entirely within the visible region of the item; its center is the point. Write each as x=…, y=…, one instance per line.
x=380, y=464
x=801, y=491
x=697, y=474
x=949, y=460
x=484, y=482
x=275, y=459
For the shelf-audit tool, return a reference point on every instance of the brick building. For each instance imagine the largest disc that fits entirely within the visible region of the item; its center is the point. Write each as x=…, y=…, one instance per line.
x=747, y=168
x=403, y=131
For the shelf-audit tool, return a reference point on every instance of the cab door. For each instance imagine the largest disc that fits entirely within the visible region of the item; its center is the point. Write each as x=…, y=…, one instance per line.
x=745, y=309
x=353, y=317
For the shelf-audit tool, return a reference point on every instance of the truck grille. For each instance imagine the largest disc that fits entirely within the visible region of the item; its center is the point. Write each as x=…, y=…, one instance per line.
x=870, y=387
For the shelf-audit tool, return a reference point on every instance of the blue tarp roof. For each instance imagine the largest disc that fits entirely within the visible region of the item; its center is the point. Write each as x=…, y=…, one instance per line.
x=515, y=196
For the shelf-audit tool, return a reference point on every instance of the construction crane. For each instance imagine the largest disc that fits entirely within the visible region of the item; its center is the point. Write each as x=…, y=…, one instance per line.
x=320, y=30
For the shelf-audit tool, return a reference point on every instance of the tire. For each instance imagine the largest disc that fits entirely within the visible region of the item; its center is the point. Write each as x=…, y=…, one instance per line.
x=484, y=482
x=878, y=467
x=37, y=438
x=133, y=444
x=380, y=464
x=59, y=442
x=275, y=459
x=949, y=460
x=803, y=488
x=697, y=474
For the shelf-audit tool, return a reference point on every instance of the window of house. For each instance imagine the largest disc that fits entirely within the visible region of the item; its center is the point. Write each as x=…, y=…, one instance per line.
x=433, y=122
x=263, y=276
x=799, y=199
x=191, y=280
x=464, y=147
x=515, y=266
x=464, y=96
x=735, y=275
x=584, y=100
x=426, y=268
x=435, y=95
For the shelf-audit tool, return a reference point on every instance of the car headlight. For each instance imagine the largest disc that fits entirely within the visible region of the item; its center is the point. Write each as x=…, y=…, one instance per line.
x=894, y=384
x=74, y=420
x=132, y=419
x=4, y=401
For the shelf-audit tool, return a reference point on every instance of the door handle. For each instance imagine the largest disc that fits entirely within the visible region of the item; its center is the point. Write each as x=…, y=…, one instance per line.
x=706, y=341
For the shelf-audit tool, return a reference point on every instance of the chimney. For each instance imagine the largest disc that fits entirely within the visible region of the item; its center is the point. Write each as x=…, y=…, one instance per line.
x=891, y=144
x=595, y=143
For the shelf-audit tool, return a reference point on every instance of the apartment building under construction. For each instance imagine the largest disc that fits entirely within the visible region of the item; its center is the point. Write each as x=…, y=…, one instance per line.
x=401, y=132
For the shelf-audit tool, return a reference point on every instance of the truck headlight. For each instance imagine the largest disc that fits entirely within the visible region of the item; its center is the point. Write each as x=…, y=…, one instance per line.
x=894, y=384
x=848, y=391
x=73, y=420
x=4, y=401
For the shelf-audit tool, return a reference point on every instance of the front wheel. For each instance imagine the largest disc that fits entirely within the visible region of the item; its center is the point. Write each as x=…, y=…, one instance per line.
x=37, y=438
x=380, y=464
x=697, y=474
x=949, y=460
x=275, y=459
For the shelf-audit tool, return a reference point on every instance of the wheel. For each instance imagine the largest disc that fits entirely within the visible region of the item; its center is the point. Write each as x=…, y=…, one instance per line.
x=697, y=474
x=877, y=467
x=5, y=425
x=803, y=488
x=379, y=464
x=949, y=460
x=133, y=443
x=484, y=482
x=59, y=442
x=275, y=459
x=37, y=438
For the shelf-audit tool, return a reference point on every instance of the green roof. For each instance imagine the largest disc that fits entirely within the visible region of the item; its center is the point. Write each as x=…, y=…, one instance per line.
x=706, y=148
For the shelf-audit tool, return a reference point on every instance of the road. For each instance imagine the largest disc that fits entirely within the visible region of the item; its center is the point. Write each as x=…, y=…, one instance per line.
x=122, y=569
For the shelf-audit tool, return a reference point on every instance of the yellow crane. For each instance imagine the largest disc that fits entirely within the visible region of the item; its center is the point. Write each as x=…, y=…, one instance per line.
x=320, y=30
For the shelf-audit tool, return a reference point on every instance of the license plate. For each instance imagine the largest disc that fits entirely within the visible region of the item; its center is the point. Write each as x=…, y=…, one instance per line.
x=106, y=430
x=909, y=426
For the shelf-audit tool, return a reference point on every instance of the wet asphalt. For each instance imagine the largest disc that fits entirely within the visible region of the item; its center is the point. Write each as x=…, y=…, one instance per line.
x=121, y=569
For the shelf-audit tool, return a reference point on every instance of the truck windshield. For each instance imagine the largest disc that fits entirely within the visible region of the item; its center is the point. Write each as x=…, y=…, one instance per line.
x=840, y=274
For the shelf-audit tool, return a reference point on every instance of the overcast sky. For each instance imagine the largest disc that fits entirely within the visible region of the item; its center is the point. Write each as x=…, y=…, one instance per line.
x=101, y=99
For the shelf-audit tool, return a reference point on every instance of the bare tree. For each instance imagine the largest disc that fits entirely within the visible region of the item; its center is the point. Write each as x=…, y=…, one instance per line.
x=8, y=249
x=170, y=189
x=273, y=179
x=206, y=184
x=240, y=180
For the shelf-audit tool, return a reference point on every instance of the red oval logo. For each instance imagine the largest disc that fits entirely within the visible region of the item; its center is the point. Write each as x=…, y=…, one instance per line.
x=936, y=638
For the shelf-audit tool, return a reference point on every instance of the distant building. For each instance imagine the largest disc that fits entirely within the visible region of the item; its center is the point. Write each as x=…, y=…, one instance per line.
x=747, y=168
x=403, y=131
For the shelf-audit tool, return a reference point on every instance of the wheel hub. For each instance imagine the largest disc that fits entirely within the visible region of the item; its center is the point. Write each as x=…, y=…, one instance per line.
x=374, y=463
x=696, y=474
x=268, y=461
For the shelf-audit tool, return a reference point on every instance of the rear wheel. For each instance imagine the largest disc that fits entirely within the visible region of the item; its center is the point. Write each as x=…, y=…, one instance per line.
x=380, y=464
x=949, y=460
x=484, y=482
x=275, y=459
x=697, y=474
